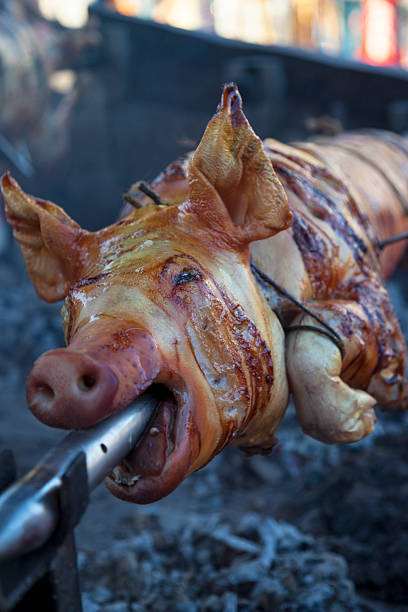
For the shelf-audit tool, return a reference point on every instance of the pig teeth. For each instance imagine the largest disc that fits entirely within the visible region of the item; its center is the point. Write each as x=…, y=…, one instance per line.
x=120, y=476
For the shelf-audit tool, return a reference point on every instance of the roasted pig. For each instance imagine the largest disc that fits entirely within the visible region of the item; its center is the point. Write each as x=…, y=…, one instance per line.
x=258, y=274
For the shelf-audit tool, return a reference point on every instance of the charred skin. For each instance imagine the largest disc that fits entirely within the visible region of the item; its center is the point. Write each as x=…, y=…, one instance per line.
x=338, y=219
x=346, y=193
x=166, y=296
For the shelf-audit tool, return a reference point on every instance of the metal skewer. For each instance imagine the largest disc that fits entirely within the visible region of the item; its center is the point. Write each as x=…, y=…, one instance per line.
x=29, y=509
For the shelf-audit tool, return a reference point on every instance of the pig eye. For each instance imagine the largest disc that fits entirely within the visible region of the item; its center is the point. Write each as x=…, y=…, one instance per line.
x=186, y=275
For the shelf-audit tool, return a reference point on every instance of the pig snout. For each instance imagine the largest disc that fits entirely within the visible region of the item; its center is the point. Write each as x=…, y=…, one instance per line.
x=105, y=367
x=68, y=389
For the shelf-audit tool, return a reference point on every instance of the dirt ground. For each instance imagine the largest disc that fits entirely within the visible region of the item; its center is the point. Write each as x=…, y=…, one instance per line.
x=309, y=528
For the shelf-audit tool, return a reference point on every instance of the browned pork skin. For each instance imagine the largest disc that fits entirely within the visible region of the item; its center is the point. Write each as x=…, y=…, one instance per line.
x=166, y=296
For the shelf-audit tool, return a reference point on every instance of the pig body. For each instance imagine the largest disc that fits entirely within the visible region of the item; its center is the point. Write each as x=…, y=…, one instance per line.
x=167, y=295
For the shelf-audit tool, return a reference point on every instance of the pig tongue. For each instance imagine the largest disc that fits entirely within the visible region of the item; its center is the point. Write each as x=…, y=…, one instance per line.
x=149, y=457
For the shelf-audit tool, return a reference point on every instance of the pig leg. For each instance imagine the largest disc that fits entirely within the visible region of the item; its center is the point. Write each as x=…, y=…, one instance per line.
x=327, y=387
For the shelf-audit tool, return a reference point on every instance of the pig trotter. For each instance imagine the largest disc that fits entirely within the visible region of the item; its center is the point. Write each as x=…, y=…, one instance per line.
x=334, y=394
x=327, y=408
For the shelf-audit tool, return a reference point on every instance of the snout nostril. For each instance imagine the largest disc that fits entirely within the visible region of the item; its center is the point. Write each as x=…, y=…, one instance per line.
x=45, y=393
x=87, y=382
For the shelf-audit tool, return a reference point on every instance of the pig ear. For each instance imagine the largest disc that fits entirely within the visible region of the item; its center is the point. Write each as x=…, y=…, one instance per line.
x=231, y=179
x=49, y=240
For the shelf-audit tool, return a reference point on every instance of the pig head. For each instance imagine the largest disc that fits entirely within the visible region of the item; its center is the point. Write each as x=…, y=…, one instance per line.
x=165, y=296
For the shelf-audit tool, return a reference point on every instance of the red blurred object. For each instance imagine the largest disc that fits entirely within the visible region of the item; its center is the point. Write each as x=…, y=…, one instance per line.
x=380, y=32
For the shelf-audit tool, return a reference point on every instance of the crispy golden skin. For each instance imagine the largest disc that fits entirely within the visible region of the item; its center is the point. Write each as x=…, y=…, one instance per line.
x=171, y=288
x=345, y=193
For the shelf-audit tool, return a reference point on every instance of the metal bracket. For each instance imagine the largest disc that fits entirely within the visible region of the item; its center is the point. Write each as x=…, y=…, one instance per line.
x=47, y=579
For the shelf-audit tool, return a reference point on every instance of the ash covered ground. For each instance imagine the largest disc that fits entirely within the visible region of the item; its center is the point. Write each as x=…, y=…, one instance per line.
x=308, y=528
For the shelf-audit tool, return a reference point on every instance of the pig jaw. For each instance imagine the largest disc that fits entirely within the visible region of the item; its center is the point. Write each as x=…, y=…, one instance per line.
x=180, y=433
x=162, y=461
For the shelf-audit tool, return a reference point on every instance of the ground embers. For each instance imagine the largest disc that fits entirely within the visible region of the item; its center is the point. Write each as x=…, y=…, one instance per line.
x=365, y=518
x=214, y=565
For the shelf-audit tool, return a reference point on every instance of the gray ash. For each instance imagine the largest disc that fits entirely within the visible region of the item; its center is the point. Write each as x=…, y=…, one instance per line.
x=213, y=565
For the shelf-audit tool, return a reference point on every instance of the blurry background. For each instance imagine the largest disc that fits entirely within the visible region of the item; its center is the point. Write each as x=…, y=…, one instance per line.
x=92, y=101
x=97, y=95
x=375, y=31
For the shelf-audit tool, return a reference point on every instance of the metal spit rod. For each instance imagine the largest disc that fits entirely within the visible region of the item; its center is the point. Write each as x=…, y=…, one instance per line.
x=29, y=507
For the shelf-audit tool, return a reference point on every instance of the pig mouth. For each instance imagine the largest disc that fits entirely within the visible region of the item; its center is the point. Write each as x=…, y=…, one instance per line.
x=158, y=464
